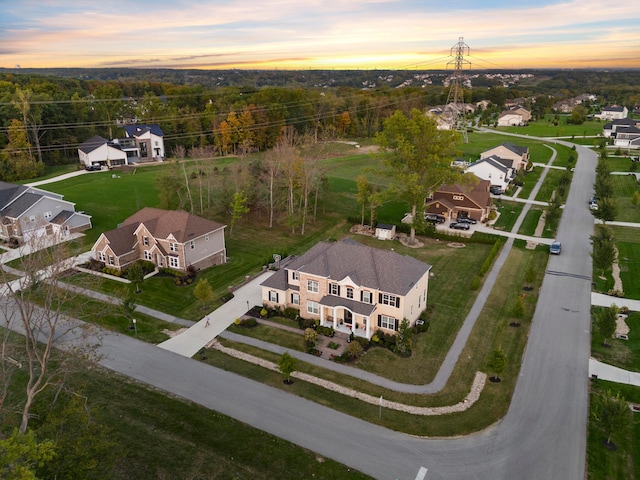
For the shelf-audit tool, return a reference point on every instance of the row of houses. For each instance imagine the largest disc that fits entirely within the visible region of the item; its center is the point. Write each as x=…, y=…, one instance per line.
x=625, y=131
x=142, y=143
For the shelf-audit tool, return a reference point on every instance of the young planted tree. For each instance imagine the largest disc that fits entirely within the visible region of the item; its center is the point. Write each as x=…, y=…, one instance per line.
x=604, y=251
x=238, y=208
x=606, y=323
x=612, y=414
x=404, y=339
x=128, y=305
x=497, y=363
x=364, y=193
x=135, y=274
x=418, y=158
x=203, y=292
x=287, y=365
x=635, y=198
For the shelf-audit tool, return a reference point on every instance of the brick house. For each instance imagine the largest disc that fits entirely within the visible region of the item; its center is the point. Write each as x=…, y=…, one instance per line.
x=351, y=287
x=452, y=201
x=169, y=238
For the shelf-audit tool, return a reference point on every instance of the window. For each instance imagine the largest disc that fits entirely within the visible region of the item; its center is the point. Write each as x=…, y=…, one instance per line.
x=334, y=289
x=366, y=297
x=145, y=240
x=312, y=286
x=387, y=322
x=173, y=247
x=313, y=307
x=349, y=292
x=147, y=255
x=458, y=197
x=295, y=275
x=48, y=214
x=273, y=296
x=295, y=298
x=192, y=244
x=101, y=257
x=111, y=260
x=387, y=299
x=174, y=262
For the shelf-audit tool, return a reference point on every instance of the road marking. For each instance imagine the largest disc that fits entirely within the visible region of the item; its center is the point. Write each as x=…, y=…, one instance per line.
x=421, y=473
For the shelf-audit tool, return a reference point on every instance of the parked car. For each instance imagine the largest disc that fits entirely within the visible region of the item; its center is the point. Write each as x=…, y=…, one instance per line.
x=495, y=189
x=459, y=226
x=93, y=168
x=593, y=203
x=434, y=218
x=468, y=220
x=555, y=247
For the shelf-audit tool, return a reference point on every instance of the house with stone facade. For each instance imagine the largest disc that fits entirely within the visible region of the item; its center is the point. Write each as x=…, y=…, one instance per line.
x=172, y=239
x=458, y=200
x=351, y=287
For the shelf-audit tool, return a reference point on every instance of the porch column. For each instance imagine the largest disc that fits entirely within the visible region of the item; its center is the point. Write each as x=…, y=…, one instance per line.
x=367, y=322
x=321, y=315
x=335, y=318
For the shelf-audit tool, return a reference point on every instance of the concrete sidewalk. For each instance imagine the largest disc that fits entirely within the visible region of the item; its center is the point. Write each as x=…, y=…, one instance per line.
x=612, y=374
x=602, y=300
x=189, y=342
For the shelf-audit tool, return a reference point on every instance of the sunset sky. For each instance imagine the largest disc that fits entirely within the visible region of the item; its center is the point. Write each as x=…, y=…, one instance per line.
x=318, y=34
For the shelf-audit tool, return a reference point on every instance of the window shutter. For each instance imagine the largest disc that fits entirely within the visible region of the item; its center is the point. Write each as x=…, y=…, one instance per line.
x=338, y=290
x=397, y=302
x=396, y=325
x=379, y=298
x=277, y=299
x=361, y=296
x=380, y=320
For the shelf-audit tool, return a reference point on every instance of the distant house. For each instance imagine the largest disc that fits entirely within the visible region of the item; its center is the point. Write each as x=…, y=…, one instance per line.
x=515, y=116
x=613, y=112
x=100, y=151
x=452, y=201
x=27, y=213
x=611, y=128
x=498, y=172
x=509, y=151
x=627, y=137
x=149, y=142
x=172, y=239
x=351, y=287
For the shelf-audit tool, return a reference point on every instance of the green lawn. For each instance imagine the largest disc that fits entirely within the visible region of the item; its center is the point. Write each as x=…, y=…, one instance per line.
x=627, y=241
x=509, y=213
x=530, y=222
x=530, y=180
x=624, y=186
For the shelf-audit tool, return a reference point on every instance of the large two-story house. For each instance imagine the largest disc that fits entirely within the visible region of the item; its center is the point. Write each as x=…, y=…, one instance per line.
x=169, y=238
x=509, y=151
x=497, y=171
x=28, y=213
x=458, y=200
x=351, y=287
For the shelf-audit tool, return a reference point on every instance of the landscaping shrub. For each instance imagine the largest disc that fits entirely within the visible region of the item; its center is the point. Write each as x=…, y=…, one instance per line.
x=364, y=343
x=304, y=323
x=326, y=331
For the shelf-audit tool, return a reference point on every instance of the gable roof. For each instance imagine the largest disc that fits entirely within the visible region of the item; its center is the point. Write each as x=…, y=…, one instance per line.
x=94, y=142
x=182, y=225
x=20, y=204
x=495, y=162
x=9, y=192
x=476, y=192
x=516, y=148
x=614, y=108
x=137, y=130
x=369, y=267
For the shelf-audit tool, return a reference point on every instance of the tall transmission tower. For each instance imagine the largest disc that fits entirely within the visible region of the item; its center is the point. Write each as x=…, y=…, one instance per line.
x=454, y=110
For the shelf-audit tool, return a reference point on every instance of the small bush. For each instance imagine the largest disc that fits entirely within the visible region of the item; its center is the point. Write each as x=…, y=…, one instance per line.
x=475, y=283
x=249, y=322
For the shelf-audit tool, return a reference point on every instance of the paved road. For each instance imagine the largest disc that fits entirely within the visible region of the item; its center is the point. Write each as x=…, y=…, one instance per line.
x=543, y=435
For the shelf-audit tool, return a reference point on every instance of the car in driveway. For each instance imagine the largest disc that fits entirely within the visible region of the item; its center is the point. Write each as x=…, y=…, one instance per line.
x=468, y=220
x=496, y=190
x=434, y=218
x=459, y=226
x=93, y=168
x=555, y=247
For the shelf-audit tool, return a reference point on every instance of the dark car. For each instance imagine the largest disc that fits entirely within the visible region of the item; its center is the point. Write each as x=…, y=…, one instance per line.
x=459, y=226
x=93, y=168
x=496, y=190
x=434, y=218
x=468, y=220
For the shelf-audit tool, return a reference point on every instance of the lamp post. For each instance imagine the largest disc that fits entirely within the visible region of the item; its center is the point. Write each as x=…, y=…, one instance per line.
x=135, y=326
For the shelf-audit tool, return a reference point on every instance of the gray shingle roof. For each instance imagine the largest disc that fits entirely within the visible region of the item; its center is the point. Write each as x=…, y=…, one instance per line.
x=93, y=143
x=137, y=130
x=19, y=205
x=182, y=225
x=368, y=267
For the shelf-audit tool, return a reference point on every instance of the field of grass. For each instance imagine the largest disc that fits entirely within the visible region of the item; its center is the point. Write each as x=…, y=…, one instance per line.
x=622, y=463
x=481, y=141
x=621, y=353
x=546, y=128
x=531, y=220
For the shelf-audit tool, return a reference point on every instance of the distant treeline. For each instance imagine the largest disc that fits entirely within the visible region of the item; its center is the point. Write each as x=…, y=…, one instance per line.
x=236, y=111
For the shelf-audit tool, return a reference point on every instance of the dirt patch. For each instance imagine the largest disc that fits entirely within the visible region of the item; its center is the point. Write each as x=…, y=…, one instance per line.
x=174, y=333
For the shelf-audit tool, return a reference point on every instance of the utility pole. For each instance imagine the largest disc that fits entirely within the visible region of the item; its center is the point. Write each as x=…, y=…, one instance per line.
x=454, y=110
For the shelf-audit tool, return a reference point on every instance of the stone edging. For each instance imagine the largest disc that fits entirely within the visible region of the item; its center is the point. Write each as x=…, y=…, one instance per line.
x=473, y=396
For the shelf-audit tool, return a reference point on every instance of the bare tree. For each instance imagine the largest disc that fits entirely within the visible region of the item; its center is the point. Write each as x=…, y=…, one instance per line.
x=33, y=306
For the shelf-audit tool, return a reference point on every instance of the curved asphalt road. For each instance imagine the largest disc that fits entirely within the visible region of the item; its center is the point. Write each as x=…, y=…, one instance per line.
x=543, y=436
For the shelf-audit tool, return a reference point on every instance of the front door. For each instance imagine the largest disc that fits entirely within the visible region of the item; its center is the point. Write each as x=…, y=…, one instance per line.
x=348, y=317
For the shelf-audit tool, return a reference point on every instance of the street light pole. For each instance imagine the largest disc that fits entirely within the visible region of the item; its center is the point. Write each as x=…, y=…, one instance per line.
x=135, y=326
